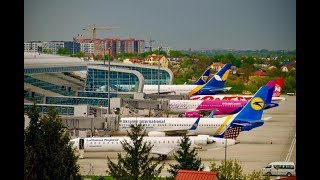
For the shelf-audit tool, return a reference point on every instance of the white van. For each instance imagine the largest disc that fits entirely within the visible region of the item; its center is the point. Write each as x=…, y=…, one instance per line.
x=280, y=169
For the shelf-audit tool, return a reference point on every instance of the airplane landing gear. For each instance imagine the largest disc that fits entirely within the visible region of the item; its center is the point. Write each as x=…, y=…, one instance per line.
x=162, y=157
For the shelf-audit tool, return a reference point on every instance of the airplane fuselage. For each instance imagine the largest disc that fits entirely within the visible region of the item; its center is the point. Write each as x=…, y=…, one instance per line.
x=221, y=106
x=113, y=144
x=174, y=89
x=208, y=126
x=231, y=97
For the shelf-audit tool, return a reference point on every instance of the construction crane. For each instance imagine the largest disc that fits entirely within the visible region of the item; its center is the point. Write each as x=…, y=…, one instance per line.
x=150, y=44
x=94, y=28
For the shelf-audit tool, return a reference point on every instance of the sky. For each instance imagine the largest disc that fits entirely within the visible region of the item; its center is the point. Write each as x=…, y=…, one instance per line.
x=179, y=24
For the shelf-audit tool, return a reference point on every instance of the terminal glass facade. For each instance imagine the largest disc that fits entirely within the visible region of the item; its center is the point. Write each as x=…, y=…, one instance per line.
x=68, y=100
x=150, y=73
x=97, y=80
x=43, y=108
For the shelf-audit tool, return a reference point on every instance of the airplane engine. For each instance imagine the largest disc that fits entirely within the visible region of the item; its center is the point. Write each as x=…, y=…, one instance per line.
x=221, y=142
x=201, y=140
x=192, y=114
x=156, y=134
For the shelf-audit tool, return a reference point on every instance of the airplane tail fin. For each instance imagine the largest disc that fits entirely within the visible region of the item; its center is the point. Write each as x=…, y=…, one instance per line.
x=253, y=110
x=219, y=79
x=271, y=85
x=215, y=84
x=203, y=79
x=269, y=103
x=232, y=132
x=278, y=87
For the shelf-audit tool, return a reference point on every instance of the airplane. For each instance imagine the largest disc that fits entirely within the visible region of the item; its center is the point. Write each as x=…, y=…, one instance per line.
x=249, y=117
x=193, y=108
x=203, y=79
x=162, y=146
x=275, y=97
x=213, y=86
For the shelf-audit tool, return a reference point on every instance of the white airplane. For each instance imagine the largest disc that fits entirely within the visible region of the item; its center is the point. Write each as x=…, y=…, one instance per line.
x=162, y=146
x=275, y=97
x=249, y=117
x=213, y=86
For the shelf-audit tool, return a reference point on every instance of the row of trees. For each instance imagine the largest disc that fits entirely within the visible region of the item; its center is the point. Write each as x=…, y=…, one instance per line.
x=49, y=154
x=193, y=65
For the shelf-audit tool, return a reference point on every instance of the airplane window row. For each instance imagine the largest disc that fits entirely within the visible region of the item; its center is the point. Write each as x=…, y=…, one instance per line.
x=187, y=125
x=105, y=142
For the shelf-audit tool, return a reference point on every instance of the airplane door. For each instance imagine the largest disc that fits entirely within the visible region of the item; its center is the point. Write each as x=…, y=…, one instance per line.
x=81, y=143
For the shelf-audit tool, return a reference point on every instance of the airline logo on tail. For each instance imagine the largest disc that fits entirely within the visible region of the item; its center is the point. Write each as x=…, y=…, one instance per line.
x=232, y=132
x=224, y=77
x=204, y=78
x=257, y=103
x=278, y=87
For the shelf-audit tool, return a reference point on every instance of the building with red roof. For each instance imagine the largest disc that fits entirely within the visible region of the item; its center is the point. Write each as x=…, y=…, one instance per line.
x=196, y=175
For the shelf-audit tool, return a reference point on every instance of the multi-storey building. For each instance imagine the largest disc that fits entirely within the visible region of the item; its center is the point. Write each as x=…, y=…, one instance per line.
x=114, y=46
x=87, y=48
x=33, y=46
x=54, y=46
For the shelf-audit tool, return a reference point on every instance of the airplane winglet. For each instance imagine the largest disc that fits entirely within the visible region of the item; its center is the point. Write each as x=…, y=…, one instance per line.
x=212, y=113
x=195, y=125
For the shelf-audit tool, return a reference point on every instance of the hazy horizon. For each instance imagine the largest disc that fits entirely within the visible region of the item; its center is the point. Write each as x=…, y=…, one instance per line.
x=180, y=24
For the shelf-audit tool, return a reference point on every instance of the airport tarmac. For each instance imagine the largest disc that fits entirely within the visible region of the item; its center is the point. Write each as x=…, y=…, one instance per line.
x=274, y=141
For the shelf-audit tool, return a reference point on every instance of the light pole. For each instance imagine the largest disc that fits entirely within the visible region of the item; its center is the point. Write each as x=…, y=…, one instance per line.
x=73, y=48
x=109, y=79
x=104, y=52
x=225, y=158
x=159, y=72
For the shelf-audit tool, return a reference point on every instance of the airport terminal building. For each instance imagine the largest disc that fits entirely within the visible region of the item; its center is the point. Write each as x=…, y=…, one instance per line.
x=51, y=79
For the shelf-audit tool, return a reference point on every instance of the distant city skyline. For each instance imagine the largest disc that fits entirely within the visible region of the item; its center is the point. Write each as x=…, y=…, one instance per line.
x=179, y=24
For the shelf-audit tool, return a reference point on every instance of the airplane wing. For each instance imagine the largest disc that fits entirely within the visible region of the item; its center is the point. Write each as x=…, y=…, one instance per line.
x=173, y=132
x=266, y=118
x=278, y=99
x=161, y=150
x=244, y=122
x=225, y=89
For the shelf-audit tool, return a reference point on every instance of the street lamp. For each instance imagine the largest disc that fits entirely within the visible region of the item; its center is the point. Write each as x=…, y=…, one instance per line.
x=225, y=158
x=159, y=72
x=109, y=79
x=104, y=52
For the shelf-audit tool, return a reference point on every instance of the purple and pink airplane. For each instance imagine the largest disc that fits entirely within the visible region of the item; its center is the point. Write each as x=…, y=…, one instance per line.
x=194, y=108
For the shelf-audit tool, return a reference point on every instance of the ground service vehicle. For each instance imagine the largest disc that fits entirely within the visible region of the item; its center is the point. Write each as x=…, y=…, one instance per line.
x=280, y=169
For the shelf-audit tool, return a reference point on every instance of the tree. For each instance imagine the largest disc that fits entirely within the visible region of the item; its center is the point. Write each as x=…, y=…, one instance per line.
x=186, y=157
x=175, y=53
x=229, y=169
x=47, y=51
x=136, y=164
x=47, y=151
x=232, y=169
x=63, y=51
